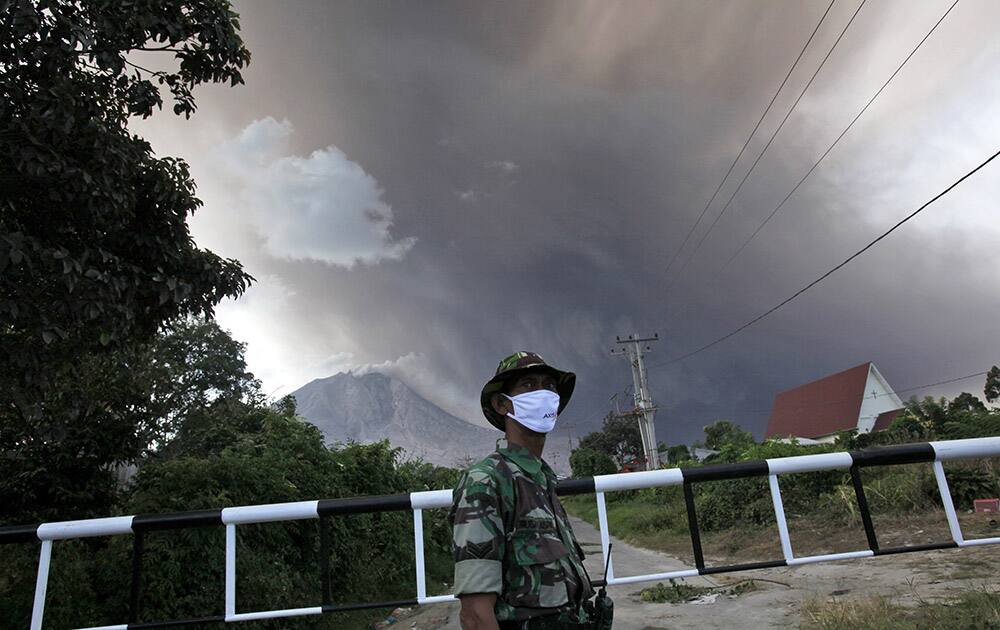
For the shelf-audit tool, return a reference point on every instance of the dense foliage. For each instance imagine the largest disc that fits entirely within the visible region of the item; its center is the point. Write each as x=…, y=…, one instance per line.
x=618, y=438
x=95, y=252
x=116, y=394
x=226, y=446
x=992, y=388
x=587, y=462
x=722, y=505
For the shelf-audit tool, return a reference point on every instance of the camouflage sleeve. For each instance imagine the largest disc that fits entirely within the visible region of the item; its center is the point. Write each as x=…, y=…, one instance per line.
x=477, y=534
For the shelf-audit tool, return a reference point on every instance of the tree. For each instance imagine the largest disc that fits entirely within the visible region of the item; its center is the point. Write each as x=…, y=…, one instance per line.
x=966, y=402
x=992, y=388
x=723, y=432
x=245, y=454
x=135, y=402
x=94, y=244
x=193, y=363
x=931, y=412
x=226, y=445
x=587, y=462
x=964, y=417
x=678, y=453
x=619, y=439
x=95, y=252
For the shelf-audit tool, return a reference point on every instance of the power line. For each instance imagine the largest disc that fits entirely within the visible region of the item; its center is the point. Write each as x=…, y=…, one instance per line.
x=842, y=134
x=951, y=380
x=766, y=147
x=745, y=144
x=833, y=270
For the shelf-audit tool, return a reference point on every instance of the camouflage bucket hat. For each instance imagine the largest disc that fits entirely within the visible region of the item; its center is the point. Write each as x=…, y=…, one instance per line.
x=512, y=367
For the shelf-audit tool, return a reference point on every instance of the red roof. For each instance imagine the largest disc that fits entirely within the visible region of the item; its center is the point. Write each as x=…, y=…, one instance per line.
x=821, y=407
x=885, y=419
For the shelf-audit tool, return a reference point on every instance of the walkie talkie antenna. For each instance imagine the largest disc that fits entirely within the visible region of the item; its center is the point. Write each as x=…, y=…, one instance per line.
x=607, y=565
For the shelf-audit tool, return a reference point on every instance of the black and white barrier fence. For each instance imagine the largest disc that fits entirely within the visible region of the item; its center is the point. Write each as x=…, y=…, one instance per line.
x=417, y=502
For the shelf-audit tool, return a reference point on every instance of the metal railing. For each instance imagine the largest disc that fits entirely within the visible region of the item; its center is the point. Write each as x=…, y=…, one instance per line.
x=931, y=452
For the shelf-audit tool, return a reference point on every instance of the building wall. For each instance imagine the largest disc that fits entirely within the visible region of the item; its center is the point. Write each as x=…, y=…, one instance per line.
x=884, y=400
x=825, y=439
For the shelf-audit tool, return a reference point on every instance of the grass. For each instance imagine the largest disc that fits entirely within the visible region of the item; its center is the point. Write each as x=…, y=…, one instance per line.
x=679, y=592
x=735, y=527
x=660, y=523
x=650, y=522
x=674, y=593
x=978, y=609
x=663, y=527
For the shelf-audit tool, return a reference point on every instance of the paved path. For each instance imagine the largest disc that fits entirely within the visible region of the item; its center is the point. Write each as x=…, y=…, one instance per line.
x=908, y=578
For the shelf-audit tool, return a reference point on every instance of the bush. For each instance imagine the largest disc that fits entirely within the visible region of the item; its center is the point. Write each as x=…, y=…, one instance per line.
x=969, y=481
x=274, y=457
x=587, y=462
x=724, y=504
x=900, y=489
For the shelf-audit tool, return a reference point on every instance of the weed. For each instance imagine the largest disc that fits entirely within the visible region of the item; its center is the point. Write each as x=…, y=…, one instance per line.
x=740, y=588
x=676, y=593
x=979, y=609
x=679, y=592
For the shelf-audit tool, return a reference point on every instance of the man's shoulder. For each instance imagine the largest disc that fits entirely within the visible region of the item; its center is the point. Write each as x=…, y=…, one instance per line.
x=490, y=469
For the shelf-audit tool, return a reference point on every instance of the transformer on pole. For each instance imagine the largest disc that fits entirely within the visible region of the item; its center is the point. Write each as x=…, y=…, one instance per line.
x=633, y=347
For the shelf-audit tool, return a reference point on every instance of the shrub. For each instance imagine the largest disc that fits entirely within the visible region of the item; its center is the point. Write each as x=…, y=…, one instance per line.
x=969, y=481
x=587, y=462
x=724, y=504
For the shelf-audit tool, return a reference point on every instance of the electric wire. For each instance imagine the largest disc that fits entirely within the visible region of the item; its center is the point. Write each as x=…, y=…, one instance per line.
x=788, y=114
x=767, y=109
x=842, y=134
x=831, y=271
x=945, y=382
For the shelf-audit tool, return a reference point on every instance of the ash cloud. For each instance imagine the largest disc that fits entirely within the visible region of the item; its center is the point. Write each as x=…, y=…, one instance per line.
x=620, y=119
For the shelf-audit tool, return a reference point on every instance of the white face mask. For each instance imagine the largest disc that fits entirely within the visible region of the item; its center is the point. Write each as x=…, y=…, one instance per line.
x=536, y=410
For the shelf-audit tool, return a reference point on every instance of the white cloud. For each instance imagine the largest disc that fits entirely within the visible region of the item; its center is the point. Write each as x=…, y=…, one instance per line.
x=274, y=353
x=466, y=196
x=504, y=166
x=320, y=207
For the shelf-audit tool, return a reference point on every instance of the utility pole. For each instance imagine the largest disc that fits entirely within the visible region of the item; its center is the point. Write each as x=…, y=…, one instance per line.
x=633, y=347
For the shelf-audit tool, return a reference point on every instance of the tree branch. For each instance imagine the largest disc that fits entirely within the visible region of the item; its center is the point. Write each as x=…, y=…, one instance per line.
x=92, y=51
x=138, y=67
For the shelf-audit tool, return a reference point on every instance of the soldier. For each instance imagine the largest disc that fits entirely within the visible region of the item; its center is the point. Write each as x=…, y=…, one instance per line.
x=517, y=561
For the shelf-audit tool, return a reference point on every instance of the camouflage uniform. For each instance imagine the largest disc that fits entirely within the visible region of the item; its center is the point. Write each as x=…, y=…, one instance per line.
x=512, y=537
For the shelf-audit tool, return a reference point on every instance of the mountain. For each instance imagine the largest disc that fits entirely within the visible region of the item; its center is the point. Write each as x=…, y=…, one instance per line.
x=371, y=407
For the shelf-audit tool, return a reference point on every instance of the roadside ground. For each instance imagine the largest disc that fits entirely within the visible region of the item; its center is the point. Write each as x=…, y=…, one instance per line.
x=778, y=598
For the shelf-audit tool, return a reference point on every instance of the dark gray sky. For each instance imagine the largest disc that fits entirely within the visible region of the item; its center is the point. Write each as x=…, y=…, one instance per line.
x=426, y=187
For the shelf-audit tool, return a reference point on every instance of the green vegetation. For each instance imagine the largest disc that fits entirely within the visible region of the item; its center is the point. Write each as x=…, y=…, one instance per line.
x=992, y=389
x=618, y=438
x=587, y=462
x=675, y=593
x=118, y=395
x=723, y=433
x=820, y=506
x=95, y=252
x=978, y=609
x=679, y=592
x=226, y=446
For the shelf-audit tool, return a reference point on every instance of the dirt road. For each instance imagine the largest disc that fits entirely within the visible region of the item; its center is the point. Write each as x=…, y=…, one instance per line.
x=775, y=603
